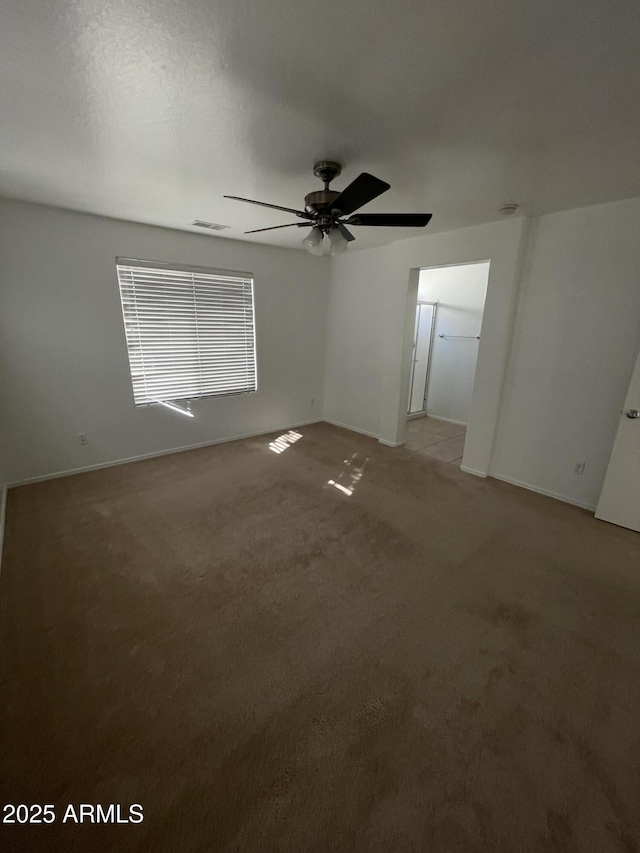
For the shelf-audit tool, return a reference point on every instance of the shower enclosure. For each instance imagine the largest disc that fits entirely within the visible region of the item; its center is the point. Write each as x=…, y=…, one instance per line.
x=421, y=357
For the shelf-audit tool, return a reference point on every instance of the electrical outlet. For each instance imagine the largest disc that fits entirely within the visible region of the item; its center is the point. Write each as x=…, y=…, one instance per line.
x=579, y=467
x=313, y=401
x=82, y=438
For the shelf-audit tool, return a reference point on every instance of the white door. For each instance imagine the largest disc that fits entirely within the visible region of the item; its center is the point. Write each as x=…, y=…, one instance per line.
x=620, y=497
x=425, y=316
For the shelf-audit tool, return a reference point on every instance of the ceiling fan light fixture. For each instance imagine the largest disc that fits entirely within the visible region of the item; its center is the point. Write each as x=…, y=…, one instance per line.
x=337, y=242
x=313, y=241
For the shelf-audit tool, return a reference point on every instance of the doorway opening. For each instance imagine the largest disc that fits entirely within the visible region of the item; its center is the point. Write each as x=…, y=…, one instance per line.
x=448, y=319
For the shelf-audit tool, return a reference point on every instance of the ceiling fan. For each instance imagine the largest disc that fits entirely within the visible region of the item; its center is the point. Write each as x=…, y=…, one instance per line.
x=329, y=212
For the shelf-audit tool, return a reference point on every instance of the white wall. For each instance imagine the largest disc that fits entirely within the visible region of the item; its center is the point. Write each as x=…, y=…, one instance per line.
x=373, y=296
x=63, y=356
x=571, y=347
x=64, y=369
x=460, y=293
x=575, y=341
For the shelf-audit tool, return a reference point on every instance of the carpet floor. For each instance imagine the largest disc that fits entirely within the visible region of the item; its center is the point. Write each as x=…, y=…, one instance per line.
x=322, y=645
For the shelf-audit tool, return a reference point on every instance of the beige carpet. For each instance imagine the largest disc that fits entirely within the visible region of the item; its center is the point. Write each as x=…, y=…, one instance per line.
x=407, y=659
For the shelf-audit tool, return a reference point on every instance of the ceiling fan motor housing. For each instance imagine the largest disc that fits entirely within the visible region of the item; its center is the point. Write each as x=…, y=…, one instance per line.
x=320, y=201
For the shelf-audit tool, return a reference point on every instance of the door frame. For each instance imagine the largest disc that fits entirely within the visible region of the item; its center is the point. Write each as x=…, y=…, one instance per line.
x=506, y=245
x=412, y=295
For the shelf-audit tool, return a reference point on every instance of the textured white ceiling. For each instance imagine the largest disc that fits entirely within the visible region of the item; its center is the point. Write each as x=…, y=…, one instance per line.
x=151, y=110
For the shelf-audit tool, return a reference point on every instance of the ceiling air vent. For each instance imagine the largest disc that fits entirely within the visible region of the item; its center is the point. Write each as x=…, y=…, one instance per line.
x=212, y=226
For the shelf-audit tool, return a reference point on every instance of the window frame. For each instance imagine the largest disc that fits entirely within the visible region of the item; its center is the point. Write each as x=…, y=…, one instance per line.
x=160, y=266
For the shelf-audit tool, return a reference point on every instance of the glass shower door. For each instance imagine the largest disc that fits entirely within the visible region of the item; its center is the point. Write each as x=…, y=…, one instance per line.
x=423, y=335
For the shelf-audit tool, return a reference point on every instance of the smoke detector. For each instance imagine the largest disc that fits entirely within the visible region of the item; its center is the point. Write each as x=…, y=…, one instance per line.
x=508, y=209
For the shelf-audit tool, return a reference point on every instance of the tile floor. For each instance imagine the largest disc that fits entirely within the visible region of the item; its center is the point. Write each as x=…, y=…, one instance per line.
x=439, y=439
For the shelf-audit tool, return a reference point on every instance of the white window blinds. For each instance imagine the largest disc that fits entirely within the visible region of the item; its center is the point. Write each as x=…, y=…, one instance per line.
x=190, y=333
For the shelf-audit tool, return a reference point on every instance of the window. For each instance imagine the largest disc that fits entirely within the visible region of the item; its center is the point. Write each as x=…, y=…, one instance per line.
x=190, y=332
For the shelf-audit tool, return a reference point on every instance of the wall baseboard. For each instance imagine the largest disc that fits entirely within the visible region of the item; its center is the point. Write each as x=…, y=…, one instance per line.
x=364, y=432
x=42, y=478
x=512, y=481
x=547, y=492
x=352, y=428
x=447, y=420
x=3, y=512
x=473, y=471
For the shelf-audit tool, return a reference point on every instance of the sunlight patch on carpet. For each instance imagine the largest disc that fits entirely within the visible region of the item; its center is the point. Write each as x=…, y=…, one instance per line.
x=350, y=475
x=282, y=442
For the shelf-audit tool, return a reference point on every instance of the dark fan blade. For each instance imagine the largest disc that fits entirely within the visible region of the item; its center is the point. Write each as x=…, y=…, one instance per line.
x=407, y=220
x=345, y=232
x=273, y=227
x=274, y=206
x=364, y=189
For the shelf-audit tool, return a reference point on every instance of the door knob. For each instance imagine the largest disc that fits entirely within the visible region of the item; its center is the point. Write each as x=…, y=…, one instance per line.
x=633, y=413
